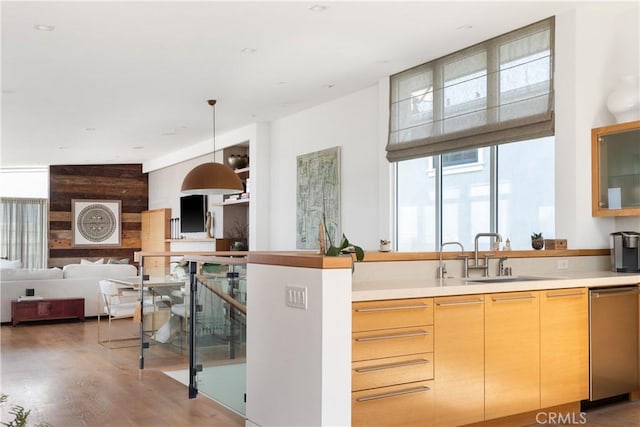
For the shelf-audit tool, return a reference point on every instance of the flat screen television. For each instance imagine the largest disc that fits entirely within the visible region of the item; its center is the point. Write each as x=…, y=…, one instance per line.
x=193, y=213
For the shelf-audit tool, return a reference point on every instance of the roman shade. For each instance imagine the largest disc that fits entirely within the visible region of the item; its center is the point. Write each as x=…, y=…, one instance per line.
x=498, y=91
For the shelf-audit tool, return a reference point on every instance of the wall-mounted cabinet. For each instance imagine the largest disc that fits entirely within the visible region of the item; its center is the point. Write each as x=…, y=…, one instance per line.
x=615, y=164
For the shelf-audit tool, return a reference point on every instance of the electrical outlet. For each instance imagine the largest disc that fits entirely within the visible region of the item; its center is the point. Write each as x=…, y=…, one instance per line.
x=563, y=264
x=296, y=297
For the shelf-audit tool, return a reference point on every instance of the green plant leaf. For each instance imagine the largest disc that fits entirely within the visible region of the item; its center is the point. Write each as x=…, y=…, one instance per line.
x=359, y=253
x=333, y=251
x=345, y=242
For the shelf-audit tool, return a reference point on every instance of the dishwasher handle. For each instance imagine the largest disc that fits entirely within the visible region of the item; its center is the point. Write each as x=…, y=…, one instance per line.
x=614, y=292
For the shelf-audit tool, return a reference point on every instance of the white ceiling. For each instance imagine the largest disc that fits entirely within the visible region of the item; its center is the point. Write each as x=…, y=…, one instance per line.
x=126, y=82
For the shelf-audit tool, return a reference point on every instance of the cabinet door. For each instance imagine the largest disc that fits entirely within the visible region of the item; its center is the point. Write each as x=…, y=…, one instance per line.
x=389, y=371
x=392, y=342
x=615, y=170
x=401, y=405
x=512, y=353
x=388, y=314
x=459, y=368
x=155, y=230
x=564, y=346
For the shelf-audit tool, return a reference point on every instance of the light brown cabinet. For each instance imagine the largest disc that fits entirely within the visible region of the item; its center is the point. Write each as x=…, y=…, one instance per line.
x=155, y=231
x=615, y=170
x=468, y=358
x=459, y=368
x=392, y=362
x=564, y=346
x=512, y=353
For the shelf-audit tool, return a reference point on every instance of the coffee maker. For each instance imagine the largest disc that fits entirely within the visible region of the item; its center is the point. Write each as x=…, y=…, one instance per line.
x=625, y=252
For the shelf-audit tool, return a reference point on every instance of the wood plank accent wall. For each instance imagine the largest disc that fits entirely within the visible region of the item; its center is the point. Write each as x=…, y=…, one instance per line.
x=124, y=182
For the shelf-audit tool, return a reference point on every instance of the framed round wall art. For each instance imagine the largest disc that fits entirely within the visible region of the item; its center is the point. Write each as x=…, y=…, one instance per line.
x=96, y=222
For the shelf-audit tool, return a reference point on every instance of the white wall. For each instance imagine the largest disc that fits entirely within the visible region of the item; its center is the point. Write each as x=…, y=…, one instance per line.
x=300, y=360
x=351, y=123
x=595, y=44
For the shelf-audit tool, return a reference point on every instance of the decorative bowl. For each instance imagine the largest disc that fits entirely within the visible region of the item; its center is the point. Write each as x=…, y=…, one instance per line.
x=237, y=161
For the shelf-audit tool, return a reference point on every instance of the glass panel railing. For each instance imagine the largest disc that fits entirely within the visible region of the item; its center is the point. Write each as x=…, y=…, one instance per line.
x=219, y=325
x=164, y=293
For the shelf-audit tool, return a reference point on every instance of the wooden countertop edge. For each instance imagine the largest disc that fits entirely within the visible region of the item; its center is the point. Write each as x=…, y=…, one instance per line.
x=421, y=256
x=313, y=260
x=300, y=259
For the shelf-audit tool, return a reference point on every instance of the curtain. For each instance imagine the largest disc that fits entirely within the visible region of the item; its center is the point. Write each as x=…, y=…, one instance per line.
x=23, y=231
x=495, y=92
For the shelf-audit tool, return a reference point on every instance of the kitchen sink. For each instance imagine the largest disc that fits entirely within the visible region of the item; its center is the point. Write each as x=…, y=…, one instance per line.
x=505, y=279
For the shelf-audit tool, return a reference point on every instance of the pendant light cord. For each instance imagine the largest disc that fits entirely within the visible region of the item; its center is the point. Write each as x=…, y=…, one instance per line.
x=212, y=102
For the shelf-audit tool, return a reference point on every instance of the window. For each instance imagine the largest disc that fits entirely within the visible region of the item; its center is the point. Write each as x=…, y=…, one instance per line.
x=473, y=137
x=23, y=227
x=460, y=158
x=496, y=92
x=509, y=192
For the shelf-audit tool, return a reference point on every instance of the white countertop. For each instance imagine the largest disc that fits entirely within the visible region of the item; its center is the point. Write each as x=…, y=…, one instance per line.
x=394, y=289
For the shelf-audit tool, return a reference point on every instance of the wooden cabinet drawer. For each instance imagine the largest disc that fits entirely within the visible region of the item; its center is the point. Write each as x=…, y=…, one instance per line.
x=388, y=314
x=400, y=405
x=392, y=370
x=392, y=342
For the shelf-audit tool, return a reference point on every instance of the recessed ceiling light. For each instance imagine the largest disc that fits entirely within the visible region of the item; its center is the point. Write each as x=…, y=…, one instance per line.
x=41, y=27
x=90, y=129
x=317, y=8
x=168, y=133
x=62, y=148
x=248, y=50
x=330, y=86
x=138, y=147
x=464, y=27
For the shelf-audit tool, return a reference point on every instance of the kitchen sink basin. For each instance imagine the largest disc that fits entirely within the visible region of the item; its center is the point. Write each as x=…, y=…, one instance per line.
x=505, y=279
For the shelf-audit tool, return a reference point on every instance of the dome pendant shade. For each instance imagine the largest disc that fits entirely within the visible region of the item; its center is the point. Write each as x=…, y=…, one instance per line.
x=212, y=178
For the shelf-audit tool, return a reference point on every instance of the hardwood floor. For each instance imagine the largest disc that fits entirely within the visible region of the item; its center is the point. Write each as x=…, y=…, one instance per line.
x=59, y=372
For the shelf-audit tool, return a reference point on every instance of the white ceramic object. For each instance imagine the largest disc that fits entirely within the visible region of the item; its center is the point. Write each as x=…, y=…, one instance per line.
x=624, y=101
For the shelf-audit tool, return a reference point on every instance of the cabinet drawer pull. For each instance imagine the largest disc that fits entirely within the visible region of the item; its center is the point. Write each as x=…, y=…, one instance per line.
x=393, y=394
x=574, y=294
x=508, y=299
x=397, y=307
x=473, y=301
x=392, y=365
x=388, y=337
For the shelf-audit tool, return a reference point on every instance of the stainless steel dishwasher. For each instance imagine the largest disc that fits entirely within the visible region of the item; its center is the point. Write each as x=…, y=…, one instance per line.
x=613, y=343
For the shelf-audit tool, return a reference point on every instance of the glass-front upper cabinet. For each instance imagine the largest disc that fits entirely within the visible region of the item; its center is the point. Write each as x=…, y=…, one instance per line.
x=615, y=164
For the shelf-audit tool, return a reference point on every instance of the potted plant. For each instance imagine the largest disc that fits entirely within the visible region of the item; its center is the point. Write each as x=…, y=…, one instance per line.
x=537, y=241
x=345, y=246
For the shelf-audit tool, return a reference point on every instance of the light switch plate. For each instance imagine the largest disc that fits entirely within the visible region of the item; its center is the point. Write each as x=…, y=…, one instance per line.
x=296, y=297
x=563, y=264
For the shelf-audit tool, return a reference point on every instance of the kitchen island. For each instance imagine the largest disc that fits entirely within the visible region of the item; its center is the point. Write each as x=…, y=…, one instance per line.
x=405, y=350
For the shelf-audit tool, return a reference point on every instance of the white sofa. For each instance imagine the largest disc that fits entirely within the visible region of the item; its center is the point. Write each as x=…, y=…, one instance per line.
x=72, y=281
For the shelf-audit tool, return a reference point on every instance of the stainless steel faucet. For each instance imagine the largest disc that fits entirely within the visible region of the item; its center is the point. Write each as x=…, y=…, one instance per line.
x=477, y=266
x=441, y=268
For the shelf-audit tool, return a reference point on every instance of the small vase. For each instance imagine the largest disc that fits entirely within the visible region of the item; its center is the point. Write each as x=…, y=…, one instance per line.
x=537, y=244
x=624, y=101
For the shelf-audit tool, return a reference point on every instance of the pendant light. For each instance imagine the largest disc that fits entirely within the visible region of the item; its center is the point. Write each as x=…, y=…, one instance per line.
x=212, y=178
